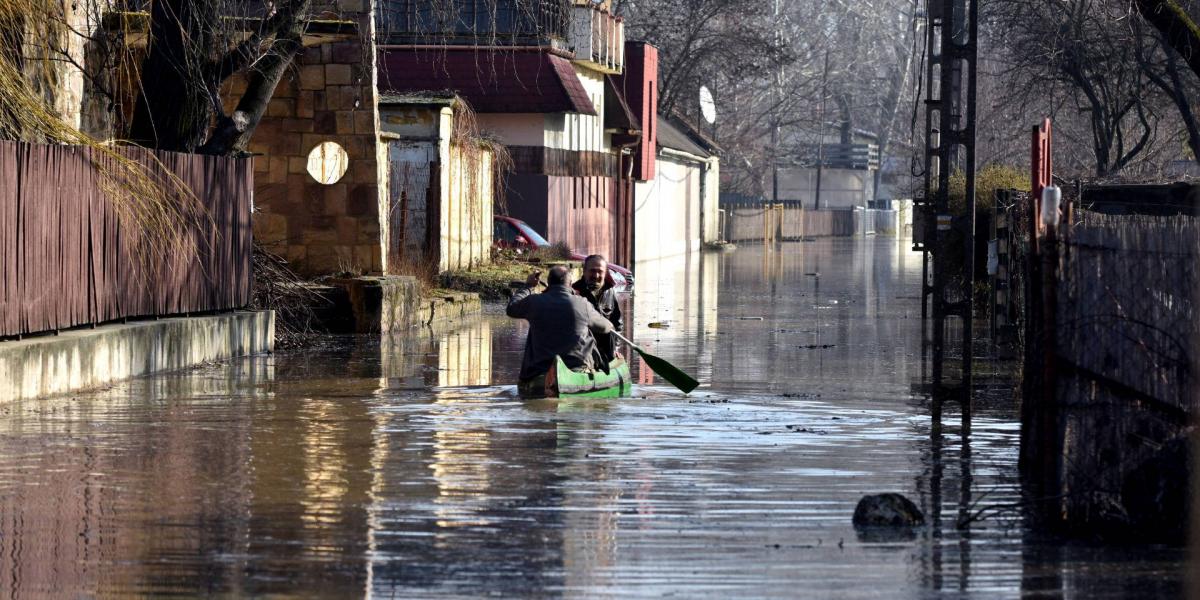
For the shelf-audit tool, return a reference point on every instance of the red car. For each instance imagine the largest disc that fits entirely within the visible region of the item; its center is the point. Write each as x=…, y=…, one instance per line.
x=508, y=232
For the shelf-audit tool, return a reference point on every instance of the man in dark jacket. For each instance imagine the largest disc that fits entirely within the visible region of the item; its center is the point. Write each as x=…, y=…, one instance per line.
x=598, y=288
x=560, y=324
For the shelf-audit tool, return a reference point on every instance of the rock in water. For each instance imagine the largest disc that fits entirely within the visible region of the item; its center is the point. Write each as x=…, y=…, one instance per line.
x=889, y=510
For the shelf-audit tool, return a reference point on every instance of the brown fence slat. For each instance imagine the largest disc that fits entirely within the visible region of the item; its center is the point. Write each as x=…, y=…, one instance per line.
x=68, y=258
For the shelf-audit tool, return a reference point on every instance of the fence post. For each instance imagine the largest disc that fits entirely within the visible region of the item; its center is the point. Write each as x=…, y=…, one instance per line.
x=1040, y=453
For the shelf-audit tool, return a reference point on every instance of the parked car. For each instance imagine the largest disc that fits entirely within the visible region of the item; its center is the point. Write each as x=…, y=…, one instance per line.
x=508, y=232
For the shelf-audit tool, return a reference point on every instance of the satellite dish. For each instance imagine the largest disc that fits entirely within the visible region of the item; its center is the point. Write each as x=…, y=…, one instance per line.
x=708, y=108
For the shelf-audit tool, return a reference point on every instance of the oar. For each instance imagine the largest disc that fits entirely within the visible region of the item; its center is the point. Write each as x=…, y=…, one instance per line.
x=666, y=370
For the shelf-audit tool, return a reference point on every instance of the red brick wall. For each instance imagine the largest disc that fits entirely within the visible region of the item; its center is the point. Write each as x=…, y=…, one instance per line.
x=639, y=83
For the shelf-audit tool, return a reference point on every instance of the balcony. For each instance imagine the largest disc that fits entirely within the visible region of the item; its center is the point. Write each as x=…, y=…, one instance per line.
x=835, y=156
x=597, y=37
x=510, y=23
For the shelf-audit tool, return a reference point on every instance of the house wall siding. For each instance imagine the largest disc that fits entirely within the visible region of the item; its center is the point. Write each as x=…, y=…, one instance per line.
x=579, y=132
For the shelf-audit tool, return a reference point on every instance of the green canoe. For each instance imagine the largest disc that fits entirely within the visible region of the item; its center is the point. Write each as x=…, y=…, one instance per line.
x=562, y=382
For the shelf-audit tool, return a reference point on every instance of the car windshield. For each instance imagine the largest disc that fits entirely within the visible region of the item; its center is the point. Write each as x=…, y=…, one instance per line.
x=533, y=236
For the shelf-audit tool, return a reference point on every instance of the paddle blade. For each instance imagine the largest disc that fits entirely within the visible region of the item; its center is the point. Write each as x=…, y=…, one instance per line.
x=668, y=371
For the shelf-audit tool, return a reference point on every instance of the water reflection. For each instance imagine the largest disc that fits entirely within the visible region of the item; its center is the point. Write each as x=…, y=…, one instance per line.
x=675, y=306
x=406, y=467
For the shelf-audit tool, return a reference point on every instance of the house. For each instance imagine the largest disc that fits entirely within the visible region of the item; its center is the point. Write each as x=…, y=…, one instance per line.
x=353, y=179
x=544, y=78
x=835, y=172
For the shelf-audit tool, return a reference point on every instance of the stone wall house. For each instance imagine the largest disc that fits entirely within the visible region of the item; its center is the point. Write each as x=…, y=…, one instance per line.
x=319, y=162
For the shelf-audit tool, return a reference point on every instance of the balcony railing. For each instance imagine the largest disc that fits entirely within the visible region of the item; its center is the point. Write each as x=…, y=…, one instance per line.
x=597, y=37
x=474, y=22
x=836, y=156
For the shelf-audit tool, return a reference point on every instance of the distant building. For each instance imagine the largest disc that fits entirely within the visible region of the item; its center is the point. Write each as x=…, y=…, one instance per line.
x=839, y=173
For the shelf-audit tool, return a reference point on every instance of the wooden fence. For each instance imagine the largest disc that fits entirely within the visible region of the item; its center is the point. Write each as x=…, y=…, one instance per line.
x=69, y=257
x=1109, y=378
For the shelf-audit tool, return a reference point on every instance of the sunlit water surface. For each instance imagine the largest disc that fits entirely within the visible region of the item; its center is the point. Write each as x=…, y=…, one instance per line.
x=406, y=467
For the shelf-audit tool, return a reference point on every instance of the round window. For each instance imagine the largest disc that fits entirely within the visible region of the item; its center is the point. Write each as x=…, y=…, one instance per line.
x=327, y=162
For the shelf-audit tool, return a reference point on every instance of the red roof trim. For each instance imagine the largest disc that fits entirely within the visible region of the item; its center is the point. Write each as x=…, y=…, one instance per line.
x=491, y=81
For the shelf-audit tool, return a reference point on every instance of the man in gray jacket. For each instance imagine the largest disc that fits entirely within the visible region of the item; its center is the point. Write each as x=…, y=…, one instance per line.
x=560, y=324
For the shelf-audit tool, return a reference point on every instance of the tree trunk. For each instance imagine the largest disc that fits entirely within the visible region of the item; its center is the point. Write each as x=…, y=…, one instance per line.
x=1179, y=95
x=1179, y=29
x=174, y=105
x=233, y=132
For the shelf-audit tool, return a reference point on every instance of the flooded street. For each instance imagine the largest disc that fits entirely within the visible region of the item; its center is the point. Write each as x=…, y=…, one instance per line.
x=408, y=468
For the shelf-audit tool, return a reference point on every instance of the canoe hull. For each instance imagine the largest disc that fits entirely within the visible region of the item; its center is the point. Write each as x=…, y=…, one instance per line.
x=562, y=382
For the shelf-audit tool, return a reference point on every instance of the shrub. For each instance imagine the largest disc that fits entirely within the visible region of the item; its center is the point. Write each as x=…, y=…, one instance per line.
x=989, y=179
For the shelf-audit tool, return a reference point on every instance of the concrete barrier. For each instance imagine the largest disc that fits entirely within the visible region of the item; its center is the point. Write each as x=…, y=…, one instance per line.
x=89, y=358
x=391, y=304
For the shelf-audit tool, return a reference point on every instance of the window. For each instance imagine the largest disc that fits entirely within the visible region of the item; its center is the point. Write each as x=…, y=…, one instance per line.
x=327, y=162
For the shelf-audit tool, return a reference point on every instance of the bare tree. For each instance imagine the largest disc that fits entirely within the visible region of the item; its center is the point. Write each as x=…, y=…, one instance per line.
x=192, y=51
x=1161, y=65
x=1075, y=55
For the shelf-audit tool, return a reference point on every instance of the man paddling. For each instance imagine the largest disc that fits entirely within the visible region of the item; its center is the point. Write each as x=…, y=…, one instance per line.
x=599, y=289
x=560, y=324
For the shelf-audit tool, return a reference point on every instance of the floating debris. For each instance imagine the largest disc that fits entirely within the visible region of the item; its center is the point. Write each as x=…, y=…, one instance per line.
x=816, y=346
x=750, y=318
x=659, y=325
x=799, y=429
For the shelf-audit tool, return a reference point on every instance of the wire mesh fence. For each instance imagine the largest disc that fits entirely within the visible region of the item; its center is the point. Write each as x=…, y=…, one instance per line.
x=1126, y=310
x=1107, y=326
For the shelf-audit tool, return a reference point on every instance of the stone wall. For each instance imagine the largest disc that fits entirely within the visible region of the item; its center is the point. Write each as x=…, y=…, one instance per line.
x=329, y=95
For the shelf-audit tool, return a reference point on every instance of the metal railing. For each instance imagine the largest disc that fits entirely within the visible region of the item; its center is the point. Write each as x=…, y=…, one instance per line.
x=473, y=22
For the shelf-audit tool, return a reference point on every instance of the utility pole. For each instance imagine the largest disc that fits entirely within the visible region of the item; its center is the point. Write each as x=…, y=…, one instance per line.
x=775, y=116
x=950, y=132
x=821, y=130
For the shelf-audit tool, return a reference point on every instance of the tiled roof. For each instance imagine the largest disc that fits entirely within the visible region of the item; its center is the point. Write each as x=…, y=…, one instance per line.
x=491, y=81
x=677, y=136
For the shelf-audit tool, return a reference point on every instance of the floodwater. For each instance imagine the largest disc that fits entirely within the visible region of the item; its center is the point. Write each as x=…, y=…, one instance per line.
x=407, y=468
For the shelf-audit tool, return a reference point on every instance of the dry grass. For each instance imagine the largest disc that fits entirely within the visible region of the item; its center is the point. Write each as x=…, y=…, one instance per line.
x=33, y=38
x=495, y=281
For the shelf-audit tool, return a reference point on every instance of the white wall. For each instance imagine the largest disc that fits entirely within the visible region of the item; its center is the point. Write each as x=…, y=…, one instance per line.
x=463, y=214
x=710, y=202
x=666, y=211
x=514, y=129
x=840, y=188
x=573, y=131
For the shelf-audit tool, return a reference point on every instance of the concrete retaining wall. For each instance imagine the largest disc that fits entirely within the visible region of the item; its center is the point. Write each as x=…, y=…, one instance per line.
x=392, y=304
x=89, y=358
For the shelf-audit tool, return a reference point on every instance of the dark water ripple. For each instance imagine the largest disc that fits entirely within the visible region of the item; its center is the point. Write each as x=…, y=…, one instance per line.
x=407, y=468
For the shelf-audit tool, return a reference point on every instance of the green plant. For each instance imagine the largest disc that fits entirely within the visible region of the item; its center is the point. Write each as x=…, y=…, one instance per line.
x=989, y=179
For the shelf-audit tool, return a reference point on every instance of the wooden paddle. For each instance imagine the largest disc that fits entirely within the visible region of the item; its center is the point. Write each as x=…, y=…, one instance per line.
x=664, y=369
